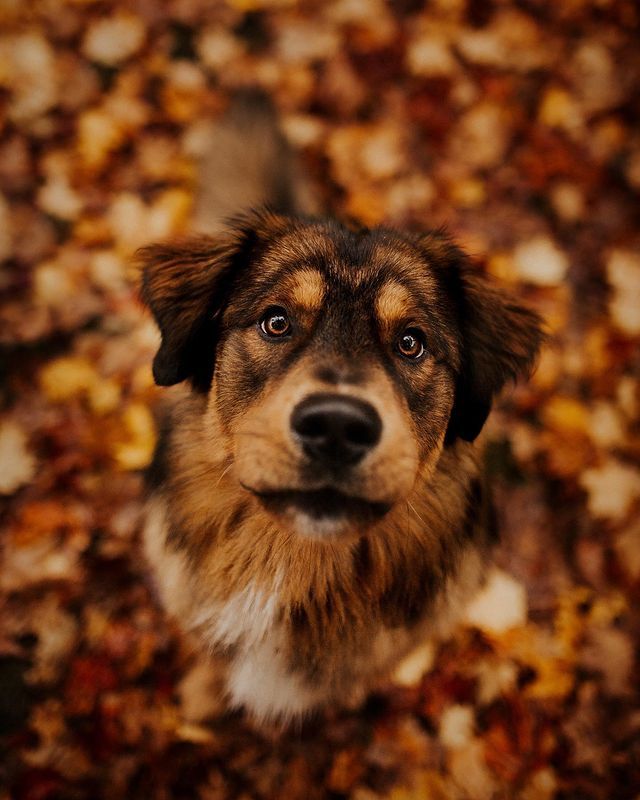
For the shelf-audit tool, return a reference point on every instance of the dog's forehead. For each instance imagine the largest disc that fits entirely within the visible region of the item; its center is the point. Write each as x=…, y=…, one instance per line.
x=312, y=261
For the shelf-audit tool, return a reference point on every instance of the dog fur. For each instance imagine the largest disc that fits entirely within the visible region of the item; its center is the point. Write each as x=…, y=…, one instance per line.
x=302, y=606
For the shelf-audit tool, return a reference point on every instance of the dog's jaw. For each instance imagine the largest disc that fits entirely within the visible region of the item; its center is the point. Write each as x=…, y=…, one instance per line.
x=325, y=529
x=324, y=514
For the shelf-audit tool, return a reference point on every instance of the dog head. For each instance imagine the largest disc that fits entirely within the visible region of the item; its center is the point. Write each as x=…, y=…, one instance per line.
x=338, y=363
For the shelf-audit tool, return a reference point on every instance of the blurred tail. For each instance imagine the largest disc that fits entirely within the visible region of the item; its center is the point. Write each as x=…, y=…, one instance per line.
x=245, y=163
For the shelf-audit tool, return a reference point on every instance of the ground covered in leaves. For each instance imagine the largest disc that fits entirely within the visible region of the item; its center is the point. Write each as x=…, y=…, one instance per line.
x=514, y=123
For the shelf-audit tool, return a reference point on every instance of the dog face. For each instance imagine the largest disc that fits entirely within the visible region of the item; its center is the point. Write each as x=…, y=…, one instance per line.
x=337, y=363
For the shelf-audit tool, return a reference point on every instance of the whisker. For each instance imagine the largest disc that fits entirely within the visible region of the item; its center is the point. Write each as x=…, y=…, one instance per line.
x=412, y=507
x=223, y=473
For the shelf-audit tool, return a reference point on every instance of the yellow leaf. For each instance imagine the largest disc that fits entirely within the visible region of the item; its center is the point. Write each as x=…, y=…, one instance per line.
x=565, y=414
x=137, y=449
x=67, y=377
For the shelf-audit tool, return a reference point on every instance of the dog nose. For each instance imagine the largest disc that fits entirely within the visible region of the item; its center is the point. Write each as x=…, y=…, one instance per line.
x=336, y=429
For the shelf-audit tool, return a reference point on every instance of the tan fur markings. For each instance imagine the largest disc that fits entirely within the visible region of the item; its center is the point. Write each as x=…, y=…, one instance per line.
x=307, y=289
x=392, y=303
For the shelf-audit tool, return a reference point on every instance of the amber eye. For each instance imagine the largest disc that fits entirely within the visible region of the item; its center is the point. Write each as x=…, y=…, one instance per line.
x=275, y=323
x=411, y=343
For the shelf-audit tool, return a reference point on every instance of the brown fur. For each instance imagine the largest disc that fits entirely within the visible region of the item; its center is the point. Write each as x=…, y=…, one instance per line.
x=341, y=602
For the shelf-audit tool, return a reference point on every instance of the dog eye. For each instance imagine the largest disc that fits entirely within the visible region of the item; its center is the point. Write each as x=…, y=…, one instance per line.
x=411, y=343
x=275, y=323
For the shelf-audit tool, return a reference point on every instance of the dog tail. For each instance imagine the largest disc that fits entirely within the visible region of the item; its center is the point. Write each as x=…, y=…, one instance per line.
x=246, y=162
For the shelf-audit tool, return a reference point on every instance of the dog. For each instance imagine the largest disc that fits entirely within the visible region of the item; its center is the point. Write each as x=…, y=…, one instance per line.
x=316, y=498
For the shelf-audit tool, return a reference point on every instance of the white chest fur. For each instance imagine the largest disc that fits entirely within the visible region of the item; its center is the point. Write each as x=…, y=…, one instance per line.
x=247, y=624
x=257, y=675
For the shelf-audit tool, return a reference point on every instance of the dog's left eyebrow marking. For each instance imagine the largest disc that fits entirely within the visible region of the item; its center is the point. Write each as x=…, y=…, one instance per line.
x=307, y=288
x=392, y=302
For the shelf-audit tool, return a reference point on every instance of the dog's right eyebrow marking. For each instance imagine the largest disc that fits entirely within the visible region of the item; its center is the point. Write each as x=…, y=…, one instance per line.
x=392, y=302
x=308, y=288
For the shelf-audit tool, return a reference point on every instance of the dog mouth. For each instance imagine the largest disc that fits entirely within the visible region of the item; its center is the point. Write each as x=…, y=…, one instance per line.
x=322, y=504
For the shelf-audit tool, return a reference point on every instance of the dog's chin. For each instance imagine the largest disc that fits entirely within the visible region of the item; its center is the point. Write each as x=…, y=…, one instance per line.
x=322, y=514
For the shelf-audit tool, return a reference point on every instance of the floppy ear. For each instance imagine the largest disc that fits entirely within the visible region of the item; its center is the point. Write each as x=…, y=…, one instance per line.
x=186, y=285
x=500, y=341
x=499, y=337
x=183, y=285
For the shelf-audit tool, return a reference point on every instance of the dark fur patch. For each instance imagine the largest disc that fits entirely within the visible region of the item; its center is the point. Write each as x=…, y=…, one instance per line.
x=362, y=563
x=237, y=517
x=158, y=471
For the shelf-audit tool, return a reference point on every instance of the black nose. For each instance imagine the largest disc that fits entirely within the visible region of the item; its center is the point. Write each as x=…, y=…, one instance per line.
x=335, y=429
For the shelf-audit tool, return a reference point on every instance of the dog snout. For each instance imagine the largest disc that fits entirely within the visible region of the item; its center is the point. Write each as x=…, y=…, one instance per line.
x=335, y=429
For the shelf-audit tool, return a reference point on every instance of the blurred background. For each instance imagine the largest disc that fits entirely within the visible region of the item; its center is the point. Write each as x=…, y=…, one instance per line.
x=516, y=125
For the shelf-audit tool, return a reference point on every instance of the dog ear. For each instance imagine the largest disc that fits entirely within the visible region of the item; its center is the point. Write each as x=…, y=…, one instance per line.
x=499, y=338
x=183, y=284
x=500, y=342
x=186, y=285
